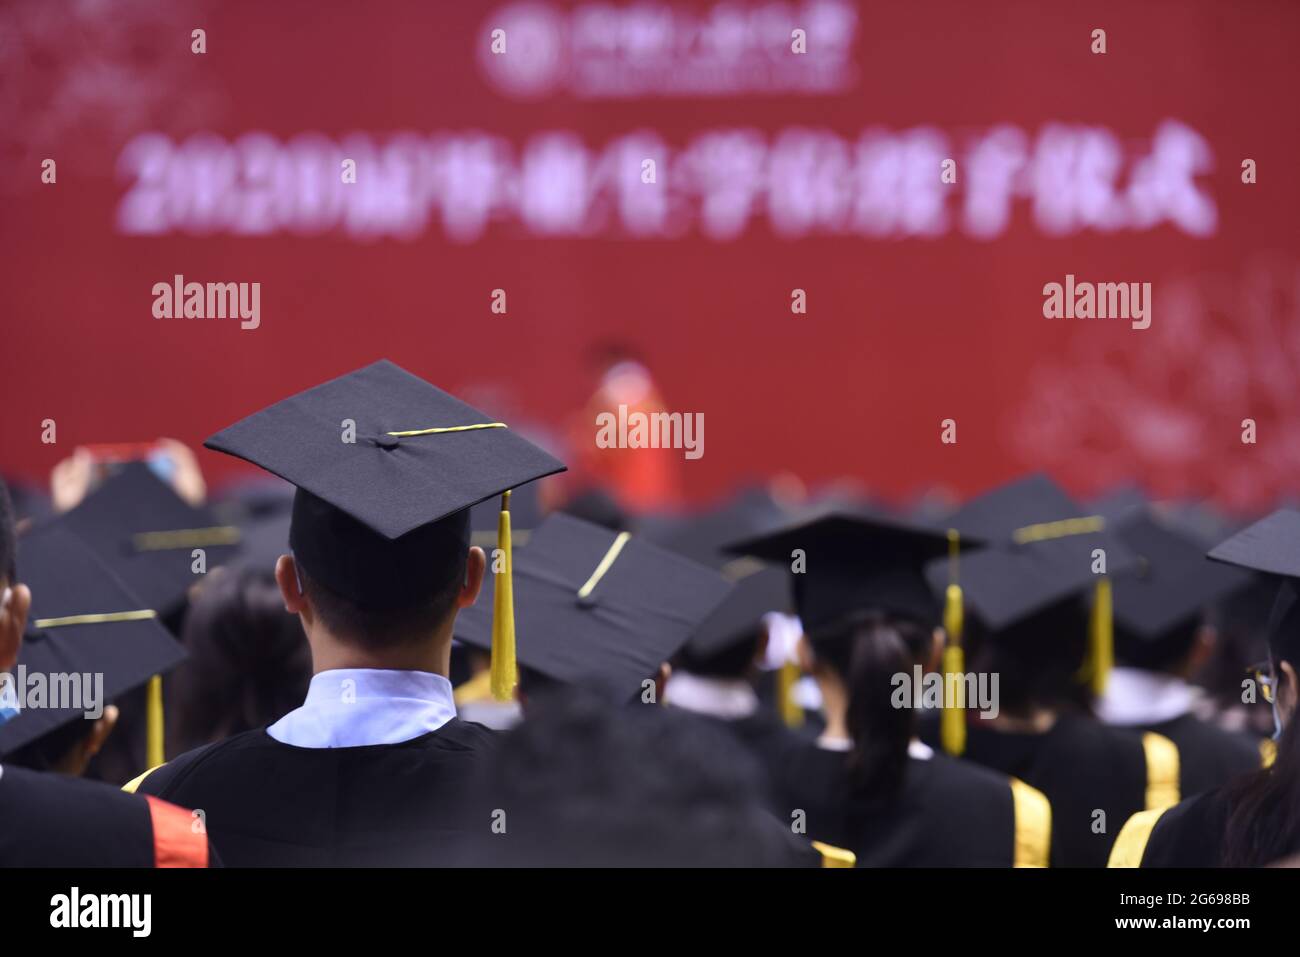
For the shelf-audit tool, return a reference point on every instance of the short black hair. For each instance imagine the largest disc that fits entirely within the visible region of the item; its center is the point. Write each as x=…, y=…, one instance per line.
x=1037, y=659
x=584, y=782
x=8, y=537
x=1166, y=653
x=376, y=628
x=734, y=661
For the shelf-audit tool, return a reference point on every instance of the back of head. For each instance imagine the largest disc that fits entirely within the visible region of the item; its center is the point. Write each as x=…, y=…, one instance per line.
x=370, y=590
x=585, y=783
x=1037, y=660
x=735, y=660
x=868, y=651
x=1168, y=652
x=1264, y=823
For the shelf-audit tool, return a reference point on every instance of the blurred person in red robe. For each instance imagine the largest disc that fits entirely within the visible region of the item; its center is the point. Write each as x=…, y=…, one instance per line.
x=640, y=480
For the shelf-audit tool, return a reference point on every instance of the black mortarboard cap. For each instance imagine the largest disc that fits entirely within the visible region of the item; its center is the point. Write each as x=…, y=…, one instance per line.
x=374, y=518
x=996, y=514
x=146, y=533
x=83, y=619
x=704, y=536
x=762, y=590
x=853, y=561
x=1272, y=546
x=1006, y=584
x=597, y=607
x=1035, y=510
x=1120, y=504
x=1173, y=582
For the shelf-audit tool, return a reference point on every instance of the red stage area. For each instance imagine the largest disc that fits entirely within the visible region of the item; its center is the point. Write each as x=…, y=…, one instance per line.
x=525, y=172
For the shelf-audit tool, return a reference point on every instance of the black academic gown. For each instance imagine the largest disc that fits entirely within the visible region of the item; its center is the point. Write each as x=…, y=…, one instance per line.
x=1208, y=756
x=273, y=804
x=49, y=820
x=1189, y=834
x=947, y=814
x=1083, y=767
x=768, y=740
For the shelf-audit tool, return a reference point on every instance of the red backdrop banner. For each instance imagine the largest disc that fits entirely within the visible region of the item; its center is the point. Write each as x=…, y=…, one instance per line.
x=667, y=174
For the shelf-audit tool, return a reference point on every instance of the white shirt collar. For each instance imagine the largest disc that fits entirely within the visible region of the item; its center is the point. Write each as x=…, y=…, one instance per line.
x=352, y=707
x=729, y=698
x=1136, y=697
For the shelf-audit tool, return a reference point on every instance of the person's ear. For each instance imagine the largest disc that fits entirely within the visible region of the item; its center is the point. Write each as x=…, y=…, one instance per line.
x=661, y=680
x=77, y=758
x=760, y=647
x=938, y=639
x=1288, y=690
x=475, y=569
x=99, y=731
x=287, y=578
x=1207, y=637
x=15, y=602
x=804, y=654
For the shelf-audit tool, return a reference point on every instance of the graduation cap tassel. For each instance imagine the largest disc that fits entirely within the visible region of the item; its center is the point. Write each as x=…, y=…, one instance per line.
x=154, y=749
x=952, y=723
x=1101, y=637
x=786, y=678
x=505, y=672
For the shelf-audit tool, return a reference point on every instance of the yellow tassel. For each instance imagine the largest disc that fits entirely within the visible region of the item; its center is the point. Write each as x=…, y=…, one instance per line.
x=505, y=672
x=786, y=679
x=952, y=723
x=1101, y=637
x=153, y=748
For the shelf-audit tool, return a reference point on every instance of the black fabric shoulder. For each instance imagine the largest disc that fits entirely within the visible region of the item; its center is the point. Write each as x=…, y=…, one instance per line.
x=270, y=803
x=162, y=780
x=1083, y=767
x=48, y=820
x=1208, y=756
x=948, y=813
x=1190, y=834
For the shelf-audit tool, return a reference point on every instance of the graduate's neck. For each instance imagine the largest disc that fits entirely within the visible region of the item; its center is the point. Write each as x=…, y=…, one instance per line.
x=835, y=703
x=1029, y=721
x=329, y=652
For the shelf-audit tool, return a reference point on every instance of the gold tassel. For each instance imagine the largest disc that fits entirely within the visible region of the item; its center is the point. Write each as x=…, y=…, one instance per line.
x=505, y=672
x=1101, y=637
x=154, y=751
x=952, y=723
x=786, y=678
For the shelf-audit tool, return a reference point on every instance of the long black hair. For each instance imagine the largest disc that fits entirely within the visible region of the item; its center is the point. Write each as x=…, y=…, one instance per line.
x=1264, y=820
x=869, y=652
x=249, y=660
x=1264, y=816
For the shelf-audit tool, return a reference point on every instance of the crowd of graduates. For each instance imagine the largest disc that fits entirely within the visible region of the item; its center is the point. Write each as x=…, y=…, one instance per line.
x=398, y=650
